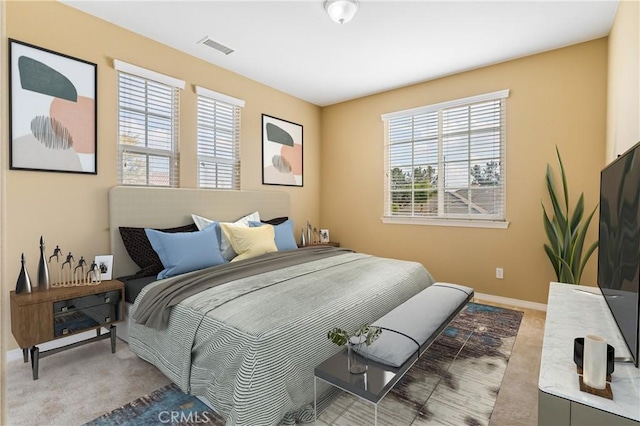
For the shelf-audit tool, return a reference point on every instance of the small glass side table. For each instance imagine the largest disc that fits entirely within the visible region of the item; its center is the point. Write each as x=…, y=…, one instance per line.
x=370, y=386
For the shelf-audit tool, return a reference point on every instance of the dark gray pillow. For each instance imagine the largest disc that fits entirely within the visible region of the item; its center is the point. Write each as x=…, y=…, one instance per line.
x=139, y=248
x=133, y=286
x=275, y=220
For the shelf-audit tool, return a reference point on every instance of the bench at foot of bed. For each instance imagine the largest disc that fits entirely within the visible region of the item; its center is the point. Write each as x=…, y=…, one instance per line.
x=408, y=331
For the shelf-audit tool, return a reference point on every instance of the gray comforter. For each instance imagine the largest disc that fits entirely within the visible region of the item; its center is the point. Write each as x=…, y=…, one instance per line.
x=250, y=346
x=153, y=310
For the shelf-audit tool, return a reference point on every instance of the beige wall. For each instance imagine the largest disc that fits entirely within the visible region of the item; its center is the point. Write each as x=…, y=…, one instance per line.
x=70, y=209
x=3, y=132
x=557, y=98
x=623, y=109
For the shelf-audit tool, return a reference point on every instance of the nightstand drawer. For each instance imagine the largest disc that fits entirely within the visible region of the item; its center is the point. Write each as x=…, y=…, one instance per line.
x=82, y=319
x=85, y=312
x=108, y=298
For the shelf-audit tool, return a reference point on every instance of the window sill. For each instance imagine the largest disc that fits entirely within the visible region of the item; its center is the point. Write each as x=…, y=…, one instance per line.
x=446, y=222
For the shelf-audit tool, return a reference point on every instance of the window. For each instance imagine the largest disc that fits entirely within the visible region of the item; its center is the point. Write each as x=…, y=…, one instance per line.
x=218, y=140
x=445, y=163
x=148, y=111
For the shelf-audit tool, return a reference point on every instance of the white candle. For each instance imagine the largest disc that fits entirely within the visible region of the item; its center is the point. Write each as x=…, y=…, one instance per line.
x=595, y=362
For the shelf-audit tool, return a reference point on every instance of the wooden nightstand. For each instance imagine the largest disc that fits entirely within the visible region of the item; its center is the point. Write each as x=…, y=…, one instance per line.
x=43, y=316
x=331, y=243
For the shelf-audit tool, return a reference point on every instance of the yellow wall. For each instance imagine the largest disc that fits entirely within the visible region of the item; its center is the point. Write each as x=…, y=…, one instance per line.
x=557, y=98
x=3, y=132
x=623, y=109
x=71, y=209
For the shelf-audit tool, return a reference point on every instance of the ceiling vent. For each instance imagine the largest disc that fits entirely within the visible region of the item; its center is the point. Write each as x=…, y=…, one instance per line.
x=215, y=45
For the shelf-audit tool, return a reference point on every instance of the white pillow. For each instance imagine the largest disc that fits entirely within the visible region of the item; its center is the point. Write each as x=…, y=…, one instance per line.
x=201, y=222
x=225, y=246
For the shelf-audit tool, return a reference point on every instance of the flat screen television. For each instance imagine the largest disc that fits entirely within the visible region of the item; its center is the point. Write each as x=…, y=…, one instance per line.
x=619, y=244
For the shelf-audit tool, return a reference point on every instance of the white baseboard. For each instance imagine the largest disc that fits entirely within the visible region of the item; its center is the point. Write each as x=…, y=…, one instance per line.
x=514, y=302
x=17, y=353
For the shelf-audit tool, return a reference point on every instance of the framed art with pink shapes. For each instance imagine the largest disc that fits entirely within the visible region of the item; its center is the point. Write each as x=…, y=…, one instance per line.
x=282, y=159
x=52, y=111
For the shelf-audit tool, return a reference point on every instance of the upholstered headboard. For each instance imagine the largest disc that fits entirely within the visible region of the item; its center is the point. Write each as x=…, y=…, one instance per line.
x=170, y=207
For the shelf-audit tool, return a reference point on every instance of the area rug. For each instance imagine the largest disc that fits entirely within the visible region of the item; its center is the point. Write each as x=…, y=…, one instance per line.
x=455, y=382
x=167, y=405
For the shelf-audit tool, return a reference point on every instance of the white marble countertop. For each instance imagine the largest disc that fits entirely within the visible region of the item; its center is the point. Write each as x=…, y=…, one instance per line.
x=576, y=311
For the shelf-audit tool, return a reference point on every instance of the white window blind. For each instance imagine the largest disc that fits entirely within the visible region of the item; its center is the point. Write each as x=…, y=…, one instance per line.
x=148, y=113
x=447, y=161
x=218, y=140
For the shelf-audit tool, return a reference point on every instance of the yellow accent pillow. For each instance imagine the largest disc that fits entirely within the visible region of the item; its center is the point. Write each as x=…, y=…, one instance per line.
x=250, y=242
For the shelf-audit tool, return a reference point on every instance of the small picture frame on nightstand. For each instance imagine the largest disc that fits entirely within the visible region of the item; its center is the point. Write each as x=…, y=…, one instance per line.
x=324, y=236
x=105, y=264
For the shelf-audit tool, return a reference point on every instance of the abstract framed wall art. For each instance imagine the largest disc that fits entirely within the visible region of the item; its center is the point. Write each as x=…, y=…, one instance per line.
x=52, y=111
x=281, y=152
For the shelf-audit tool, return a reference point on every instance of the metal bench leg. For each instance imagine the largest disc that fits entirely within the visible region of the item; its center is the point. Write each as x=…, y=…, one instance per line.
x=375, y=415
x=473, y=313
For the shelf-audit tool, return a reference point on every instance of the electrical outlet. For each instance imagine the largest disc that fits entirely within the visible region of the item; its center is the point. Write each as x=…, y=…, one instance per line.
x=499, y=273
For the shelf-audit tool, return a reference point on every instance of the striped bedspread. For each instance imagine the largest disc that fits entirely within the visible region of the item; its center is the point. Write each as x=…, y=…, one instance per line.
x=253, y=356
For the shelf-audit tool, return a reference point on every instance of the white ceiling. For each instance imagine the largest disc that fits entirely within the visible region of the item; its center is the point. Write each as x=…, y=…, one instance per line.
x=294, y=47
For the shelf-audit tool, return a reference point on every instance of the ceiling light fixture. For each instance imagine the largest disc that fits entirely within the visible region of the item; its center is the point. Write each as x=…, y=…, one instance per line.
x=341, y=11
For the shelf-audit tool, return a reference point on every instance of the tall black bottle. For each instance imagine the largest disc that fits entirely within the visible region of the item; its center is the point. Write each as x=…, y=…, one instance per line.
x=44, y=282
x=23, y=285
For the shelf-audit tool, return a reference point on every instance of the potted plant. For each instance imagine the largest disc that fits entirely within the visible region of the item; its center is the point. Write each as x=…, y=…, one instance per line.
x=566, y=231
x=366, y=334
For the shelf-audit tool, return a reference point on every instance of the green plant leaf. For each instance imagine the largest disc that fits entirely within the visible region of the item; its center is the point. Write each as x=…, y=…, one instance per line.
x=579, y=260
x=568, y=275
x=566, y=246
x=559, y=216
x=372, y=335
x=588, y=254
x=554, y=260
x=552, y=232
x=578, y=244
x=564, y=182
x=338, y=336
x=577, y=213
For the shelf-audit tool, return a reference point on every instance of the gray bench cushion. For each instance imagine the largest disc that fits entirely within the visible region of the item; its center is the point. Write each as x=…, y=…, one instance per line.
x=419, y=317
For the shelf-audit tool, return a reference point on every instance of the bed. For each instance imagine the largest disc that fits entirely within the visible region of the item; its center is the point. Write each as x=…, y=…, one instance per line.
x=248, y=347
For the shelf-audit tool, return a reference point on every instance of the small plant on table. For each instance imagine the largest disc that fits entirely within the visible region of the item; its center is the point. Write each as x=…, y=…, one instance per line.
x=366, y=334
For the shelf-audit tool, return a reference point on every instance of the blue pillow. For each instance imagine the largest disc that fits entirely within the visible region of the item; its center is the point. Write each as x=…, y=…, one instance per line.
x=188, y=251
x=284, y=238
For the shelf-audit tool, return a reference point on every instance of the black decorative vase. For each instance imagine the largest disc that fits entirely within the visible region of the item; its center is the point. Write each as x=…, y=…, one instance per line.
x=44, y=283
x=24, y=282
